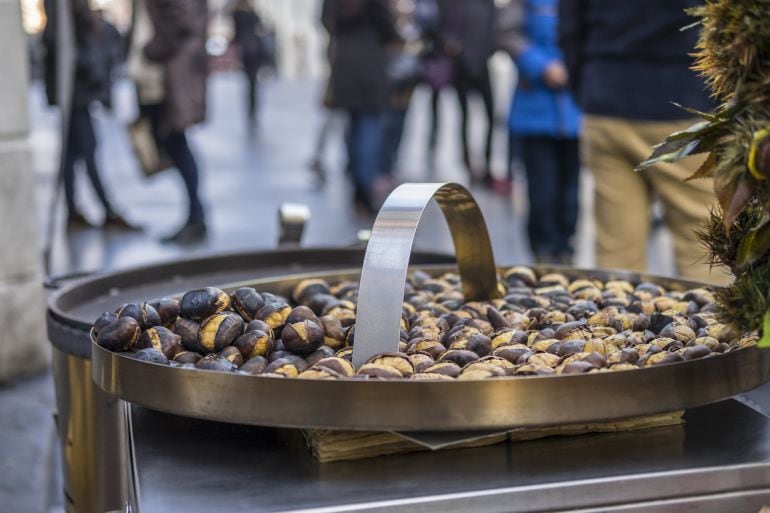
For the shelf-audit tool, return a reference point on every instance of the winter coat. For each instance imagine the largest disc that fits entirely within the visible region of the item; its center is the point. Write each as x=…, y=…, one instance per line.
x=631, y=59
x=469, y=24
x=179, y=45
x=530, y=37
x=246, y=24
x=360, y=31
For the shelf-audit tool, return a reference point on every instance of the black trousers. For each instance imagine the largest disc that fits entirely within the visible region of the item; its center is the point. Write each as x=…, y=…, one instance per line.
x=553, y=168
x=175, y=145
x=250, y=69
x=81, y=146
x=466, y=83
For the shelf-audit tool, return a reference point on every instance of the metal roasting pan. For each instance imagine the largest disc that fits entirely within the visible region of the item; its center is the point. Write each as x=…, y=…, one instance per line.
x=508, y=402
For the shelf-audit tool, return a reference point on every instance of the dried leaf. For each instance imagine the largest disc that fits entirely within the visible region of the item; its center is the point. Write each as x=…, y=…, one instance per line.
x=692, y=140
x=753, y=247
x=698, y=113
x=733, y=194
x=706, y=170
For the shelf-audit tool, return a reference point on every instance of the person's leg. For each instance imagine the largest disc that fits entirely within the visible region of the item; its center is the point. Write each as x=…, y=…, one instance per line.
x=68, y=165
x=366, y=140
x=567, y=199
x=686, y=203
x=351, y=142
x=462, y=87
x=251, y=81
x=179, y=151
x=485, y=88
x=88, y=151
x=392, y=131
x=542, y=168
x=621, y=195
x=435, y=96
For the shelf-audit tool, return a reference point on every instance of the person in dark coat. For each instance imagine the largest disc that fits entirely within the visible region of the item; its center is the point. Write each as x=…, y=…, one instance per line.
x=359, y=84
x=628, y=62
x=247, y=26
x=468, y=36
x=545, y=120
x=95, y=60
x=169, y=66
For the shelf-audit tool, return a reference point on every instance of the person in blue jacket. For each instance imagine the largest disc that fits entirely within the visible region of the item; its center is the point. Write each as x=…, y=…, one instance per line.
x=545, y=121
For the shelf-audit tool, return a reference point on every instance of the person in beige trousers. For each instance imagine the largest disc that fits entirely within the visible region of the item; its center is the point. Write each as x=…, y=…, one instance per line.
x=627, y=62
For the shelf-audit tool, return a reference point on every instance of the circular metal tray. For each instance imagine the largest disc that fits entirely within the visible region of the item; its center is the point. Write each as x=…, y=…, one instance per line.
x=522, y=401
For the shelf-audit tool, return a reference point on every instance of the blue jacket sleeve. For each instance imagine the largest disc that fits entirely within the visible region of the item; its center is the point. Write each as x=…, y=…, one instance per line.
x=532, y=62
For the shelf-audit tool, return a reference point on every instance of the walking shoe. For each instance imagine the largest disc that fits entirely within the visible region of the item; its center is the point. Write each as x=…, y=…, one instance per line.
x=118, y=222
x=501, y=186
x=192, y=232
x=76, y=220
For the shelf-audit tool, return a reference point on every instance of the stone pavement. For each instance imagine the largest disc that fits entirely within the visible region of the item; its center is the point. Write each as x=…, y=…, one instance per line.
x=245, y=177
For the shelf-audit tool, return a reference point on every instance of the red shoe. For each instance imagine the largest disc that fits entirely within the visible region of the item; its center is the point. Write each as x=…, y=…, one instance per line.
x=501, y=186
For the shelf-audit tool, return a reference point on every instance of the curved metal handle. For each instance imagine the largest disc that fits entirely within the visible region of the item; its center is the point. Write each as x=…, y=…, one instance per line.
x=381, y=290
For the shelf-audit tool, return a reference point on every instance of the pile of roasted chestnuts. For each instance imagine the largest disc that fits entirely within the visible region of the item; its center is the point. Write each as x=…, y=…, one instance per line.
x=543, y=325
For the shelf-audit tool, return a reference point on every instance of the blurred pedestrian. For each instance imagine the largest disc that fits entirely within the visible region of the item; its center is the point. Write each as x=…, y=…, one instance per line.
x=167, y=61
x=468, y=36
x=437, y=65
x=405, y=72
x=627, y=62
x=95, y=59
x=361, y=29
x=334, y=122
x=248, y=28
x=544, y=121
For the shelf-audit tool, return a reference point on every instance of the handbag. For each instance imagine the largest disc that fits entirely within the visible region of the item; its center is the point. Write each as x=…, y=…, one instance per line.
x=152, y=158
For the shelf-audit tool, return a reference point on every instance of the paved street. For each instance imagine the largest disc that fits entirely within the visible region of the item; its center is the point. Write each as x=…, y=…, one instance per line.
x=245, y=177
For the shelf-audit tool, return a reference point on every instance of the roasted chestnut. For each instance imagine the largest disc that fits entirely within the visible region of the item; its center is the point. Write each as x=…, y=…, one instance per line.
x=161, y=339
x=142, y=313
x=103, y=320
x=257, y=325
x=374, y=370
x=305, y=289
x=450, y=369
x=459, y=356
x=232, y=354
x=202, y=303
x=398, y=361
x=421, y=361
x=167, y=308
x=151, y=355
x=254, y=343
x=319, y=354
x=339, y=365
x=302, y=337
x=218, y=331
x=187, y=357
x=274, y=314
x=216, y=363
x=188, y=330
x=254, y=365
x=302, y=313
x=247, y=302
x=120, y=335
x=289, y=366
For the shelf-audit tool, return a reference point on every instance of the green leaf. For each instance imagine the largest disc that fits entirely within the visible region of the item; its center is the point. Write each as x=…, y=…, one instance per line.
x=764, y=342
x=754, y=246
